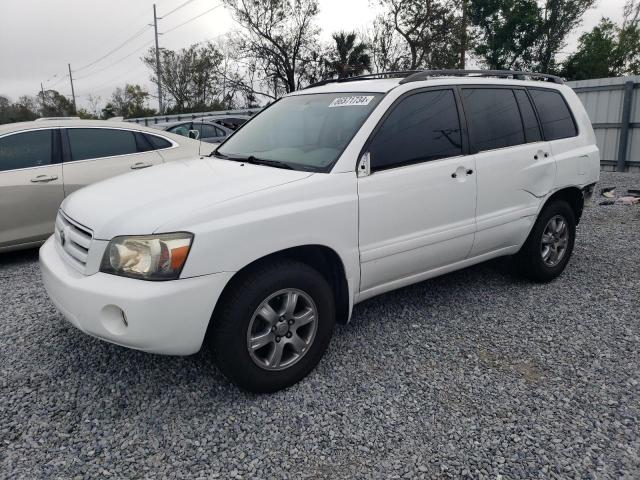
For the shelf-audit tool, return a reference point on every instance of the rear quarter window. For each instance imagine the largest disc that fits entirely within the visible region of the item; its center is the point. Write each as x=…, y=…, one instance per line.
x=555, y=116
x=158, y=142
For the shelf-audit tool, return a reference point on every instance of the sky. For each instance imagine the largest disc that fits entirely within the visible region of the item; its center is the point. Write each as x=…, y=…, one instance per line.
x=39, y=38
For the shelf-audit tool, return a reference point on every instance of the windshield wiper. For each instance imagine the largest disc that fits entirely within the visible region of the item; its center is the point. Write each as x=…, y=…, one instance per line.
x=270, y=163
x=216, y=153
x=253, y=160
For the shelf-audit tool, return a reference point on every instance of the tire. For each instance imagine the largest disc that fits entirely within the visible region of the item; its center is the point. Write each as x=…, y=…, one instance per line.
x=530, y=261
x=240, y=320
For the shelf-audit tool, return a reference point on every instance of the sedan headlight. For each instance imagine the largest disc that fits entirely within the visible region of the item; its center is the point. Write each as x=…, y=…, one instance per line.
x=148, y=257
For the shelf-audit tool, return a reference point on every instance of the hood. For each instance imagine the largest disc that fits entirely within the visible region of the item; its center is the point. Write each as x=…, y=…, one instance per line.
x=138, y=203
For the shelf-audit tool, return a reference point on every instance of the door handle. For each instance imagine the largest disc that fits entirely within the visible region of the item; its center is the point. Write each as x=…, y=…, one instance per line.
x=539, y=153
x=139, y=165
x=461, y=171
x=44, y=178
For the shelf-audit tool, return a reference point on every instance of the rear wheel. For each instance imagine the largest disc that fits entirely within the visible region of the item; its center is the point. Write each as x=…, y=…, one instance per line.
x=273, y=326
x=548, y=248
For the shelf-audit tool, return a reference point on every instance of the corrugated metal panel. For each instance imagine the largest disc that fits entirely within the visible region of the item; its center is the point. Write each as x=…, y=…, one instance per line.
x=634, y=145
x=603, y=100
x=607, y=139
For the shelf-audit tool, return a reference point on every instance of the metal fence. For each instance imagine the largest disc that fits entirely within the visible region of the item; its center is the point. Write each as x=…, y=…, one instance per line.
x=613, y=105
x=190, y=116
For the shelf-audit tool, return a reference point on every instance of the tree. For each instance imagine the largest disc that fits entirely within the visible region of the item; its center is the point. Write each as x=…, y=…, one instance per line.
x=53, y=104
x=108, y=111
x=349, y=58
x=430, y=30
x=278, y=39
x=608, y=50
x=131, y=101
x=387, y=50
x=522, y=34
x=190, y=77
x=559, y=18
x=23, y=110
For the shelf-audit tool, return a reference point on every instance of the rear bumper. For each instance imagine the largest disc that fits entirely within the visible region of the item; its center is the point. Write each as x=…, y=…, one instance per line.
x=161, y=317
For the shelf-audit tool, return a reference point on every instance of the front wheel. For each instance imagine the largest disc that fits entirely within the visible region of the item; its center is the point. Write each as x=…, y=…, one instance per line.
x=548, y=248
x=273, y=326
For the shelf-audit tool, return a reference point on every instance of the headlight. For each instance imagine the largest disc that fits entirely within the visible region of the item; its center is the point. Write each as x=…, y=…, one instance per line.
x=148, y=257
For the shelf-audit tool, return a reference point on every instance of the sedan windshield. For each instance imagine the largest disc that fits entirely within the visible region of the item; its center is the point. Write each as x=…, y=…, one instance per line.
x=305, y=132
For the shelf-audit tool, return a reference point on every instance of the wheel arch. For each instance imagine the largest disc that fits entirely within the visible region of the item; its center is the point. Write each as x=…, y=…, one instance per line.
x=320, y=257
x=572, y=195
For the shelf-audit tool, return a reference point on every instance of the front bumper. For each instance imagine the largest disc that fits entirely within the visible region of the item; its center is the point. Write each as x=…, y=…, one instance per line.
x=161, y=317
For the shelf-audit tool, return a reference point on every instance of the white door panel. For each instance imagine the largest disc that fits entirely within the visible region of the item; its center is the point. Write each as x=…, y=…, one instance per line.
x=85, y=172
x=511, y=184
x=29, y=202
x=95, y=154
x=415, y=218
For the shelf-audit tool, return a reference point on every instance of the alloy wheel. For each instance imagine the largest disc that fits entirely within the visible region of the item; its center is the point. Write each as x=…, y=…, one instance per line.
x=282, y=329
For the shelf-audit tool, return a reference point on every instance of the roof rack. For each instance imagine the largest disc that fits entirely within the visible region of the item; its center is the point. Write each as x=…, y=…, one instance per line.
x=426, y=74
x=369, y=76
x=418, y=75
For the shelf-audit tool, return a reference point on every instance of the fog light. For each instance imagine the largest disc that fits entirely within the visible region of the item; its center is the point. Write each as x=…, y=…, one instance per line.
x=114, y=320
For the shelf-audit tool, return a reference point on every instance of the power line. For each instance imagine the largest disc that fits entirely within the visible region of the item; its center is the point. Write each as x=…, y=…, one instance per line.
x=190, y=20
x=134, y=36
x=147, y=44
x=176, y=9
x=64, y=77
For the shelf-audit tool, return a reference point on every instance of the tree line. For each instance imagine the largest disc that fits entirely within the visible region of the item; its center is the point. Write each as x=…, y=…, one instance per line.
x=277, y=49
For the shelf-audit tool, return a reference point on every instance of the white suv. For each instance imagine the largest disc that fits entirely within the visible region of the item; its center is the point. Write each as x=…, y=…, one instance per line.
x=332, y=195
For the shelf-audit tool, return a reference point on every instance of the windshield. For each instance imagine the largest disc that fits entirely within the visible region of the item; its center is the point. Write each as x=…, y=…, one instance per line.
x=306, y=132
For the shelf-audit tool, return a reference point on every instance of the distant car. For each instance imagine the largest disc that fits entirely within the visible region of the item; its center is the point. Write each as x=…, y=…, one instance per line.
x=232, y=122
x=42, y=162
x=206, y=130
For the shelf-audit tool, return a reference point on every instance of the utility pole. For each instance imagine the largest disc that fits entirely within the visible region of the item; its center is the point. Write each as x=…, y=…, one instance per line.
x=73, y=93
x=155, y=27
x=42, y=90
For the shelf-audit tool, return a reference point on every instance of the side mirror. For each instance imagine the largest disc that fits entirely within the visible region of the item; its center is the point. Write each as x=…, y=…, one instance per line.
x=195, y=134
x=364, y=165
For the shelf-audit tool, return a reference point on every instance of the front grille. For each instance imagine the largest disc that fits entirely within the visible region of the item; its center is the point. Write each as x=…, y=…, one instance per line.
x=75, y=240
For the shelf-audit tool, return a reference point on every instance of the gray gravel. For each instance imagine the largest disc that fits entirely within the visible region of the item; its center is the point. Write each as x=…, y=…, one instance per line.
x=476, y=374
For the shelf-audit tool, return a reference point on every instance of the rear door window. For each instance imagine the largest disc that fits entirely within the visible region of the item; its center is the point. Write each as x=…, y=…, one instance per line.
x=422, y=127
x=554, y=113
x=87, y=143
x=26, y=150
x=531, y=126
x=494, y=118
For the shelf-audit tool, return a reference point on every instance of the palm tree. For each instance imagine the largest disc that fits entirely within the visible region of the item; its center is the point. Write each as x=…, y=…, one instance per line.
x=349, y=58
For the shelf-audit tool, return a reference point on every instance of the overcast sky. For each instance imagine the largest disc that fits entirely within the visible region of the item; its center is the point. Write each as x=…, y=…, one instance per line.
x=39, y=37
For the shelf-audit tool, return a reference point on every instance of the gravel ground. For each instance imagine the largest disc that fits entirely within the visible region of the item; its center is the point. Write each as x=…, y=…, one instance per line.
x=475, y=374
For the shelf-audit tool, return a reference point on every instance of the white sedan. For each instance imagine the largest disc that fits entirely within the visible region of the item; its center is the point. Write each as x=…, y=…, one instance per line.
x=42, y=162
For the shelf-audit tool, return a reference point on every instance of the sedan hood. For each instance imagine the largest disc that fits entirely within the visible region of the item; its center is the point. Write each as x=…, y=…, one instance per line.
x=138, y=203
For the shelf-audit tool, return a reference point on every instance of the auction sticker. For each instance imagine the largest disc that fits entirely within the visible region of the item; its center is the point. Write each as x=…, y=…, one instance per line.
x=353, y=101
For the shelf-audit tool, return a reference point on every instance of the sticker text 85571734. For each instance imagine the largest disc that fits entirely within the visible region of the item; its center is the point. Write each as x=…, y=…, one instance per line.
x=352, y=101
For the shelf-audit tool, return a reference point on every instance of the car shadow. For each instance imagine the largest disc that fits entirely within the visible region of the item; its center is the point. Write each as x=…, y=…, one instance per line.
x=18, y=257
